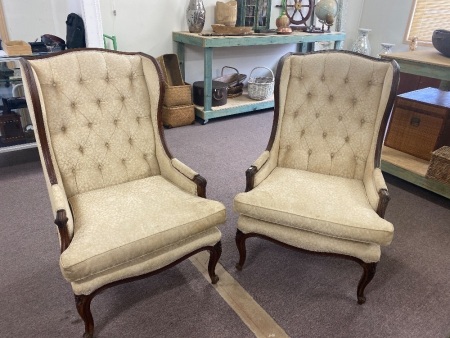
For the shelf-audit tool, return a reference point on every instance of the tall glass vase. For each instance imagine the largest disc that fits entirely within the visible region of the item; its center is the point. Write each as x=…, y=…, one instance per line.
x=195, y=16
x=362, y=44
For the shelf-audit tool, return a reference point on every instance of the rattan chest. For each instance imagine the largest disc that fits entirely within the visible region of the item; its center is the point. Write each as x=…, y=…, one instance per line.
x=420, y=122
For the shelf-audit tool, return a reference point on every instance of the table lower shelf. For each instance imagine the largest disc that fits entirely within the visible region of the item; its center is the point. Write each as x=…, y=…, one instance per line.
x=236, y=105
x=411, y=169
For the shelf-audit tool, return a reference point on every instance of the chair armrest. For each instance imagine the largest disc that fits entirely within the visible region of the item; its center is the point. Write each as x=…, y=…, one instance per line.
x=377, y=191
x=183, y=176
x=259, y=170
x=62, y=214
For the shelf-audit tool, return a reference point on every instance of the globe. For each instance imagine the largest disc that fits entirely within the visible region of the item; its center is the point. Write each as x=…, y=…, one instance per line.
x=326, y=8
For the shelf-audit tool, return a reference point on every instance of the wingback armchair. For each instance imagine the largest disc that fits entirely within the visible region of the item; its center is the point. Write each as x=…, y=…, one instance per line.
x=318, y=186
x=124, y=207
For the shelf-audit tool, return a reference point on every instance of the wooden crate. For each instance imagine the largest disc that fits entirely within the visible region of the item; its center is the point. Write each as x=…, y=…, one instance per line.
x=420, y=122
x=439, y=168
x=16, y=47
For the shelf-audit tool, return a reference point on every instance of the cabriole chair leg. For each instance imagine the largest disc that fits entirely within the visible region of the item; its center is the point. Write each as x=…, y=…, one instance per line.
x=367, y=276
x=240, y=243
x=83, y=303
x=214, y=255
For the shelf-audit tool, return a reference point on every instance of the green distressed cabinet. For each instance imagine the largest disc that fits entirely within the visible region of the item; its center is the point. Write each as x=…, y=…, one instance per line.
x=254, y=13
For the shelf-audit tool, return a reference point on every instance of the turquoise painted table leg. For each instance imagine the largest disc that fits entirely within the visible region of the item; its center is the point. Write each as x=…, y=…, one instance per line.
x=207, y=67
x=181, y=57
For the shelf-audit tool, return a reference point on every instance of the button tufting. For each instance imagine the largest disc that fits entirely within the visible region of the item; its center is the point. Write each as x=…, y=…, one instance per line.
x=355, y=100
x=309, y=94
x=89, y=125
x=116, y=121
x=346, y=80
x=302, y=132
x=309, y=151
x=123, y=161
x=370, y=82
x=99, y=102
x=323, y=78
x=138, y=119
x=107, y=145
x=100, y=167
x=340, y=117
x=122, y=98
x=107, y=79
x=363, y=121
x=347, y=139
x=63, y=129
x=301, y=77
x=332, y=155
x=81, y=80
x=317, y=115
x=81, y=149
x=331, y=97
x=54, y=84
x=73, y=171
x=130, y=140
x=73, y=104
x=324, y=135
x=145, y=156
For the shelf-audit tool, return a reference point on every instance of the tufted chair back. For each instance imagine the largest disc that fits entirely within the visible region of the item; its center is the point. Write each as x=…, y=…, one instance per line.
x=330, y=109
x=100, y=117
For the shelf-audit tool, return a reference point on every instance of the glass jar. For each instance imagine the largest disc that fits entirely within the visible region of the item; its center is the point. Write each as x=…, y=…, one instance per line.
x=362, y=44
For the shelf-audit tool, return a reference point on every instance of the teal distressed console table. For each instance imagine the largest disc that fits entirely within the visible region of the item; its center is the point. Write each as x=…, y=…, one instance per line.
x=304, y=41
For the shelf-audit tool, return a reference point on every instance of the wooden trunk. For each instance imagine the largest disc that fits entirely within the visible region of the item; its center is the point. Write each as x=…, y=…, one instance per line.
x=420, y=122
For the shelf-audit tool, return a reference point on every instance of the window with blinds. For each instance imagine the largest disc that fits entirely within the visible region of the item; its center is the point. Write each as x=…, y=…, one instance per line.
x=426, y=17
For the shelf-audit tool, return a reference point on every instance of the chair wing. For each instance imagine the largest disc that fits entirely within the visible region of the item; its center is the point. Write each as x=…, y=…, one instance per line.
x=318, y=186
x=124, y=207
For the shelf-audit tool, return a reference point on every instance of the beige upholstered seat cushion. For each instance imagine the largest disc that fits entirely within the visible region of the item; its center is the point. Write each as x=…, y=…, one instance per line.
x=120, y=223
x=324, y=204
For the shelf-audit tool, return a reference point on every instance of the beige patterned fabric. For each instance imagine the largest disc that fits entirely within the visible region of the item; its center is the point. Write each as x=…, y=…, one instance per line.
x=327, y=205
x=147, y=263
x=332, y=112
x=308, y=240
x=98, y=116
x=132, y=219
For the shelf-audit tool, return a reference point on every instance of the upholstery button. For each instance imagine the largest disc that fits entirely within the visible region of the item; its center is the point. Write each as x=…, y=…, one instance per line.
x=81, y=149
x=73, y=104
x=340, y=117
x=301, y=77
x=309, y=94
x=324, y=134
x=130, y=140
x=63, y=129
x=54, y=84
x=363, y=121
x=89, y=125
x=302, y=132
x=354, y=100
x=332, y=155
x=288, y=147
x=370, y=82
x=116, y=121
x=81, y=80
x=317, y=115
x=122, y=98
x=346, y=80
x=323, y=78
x=99, y=102
x=123, y=161
x=107, y=145
x=107, y=79
x=145, y=156
x=138, y=119
x=309, y=151
x=347, y=139
x=100, y=167
x=73, y=170
x=331, y=97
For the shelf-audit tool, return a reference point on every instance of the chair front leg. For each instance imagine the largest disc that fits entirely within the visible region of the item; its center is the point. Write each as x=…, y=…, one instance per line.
x=214, y=256
x=83, y=303
x=367, y=276
x=240, y=243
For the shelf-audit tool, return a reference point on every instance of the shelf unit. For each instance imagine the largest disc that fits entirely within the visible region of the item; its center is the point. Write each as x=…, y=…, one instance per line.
x=10, y=77
x=208, y=41
x=429, y=63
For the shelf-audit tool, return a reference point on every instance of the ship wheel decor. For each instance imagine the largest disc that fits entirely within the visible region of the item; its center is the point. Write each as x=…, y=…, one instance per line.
x=298, y=12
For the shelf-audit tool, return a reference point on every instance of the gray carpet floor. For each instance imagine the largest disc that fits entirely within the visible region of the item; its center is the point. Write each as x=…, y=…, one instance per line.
x=307, y=295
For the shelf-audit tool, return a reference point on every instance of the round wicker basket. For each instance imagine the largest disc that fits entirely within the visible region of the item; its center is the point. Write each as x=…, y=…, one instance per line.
x=260, y=88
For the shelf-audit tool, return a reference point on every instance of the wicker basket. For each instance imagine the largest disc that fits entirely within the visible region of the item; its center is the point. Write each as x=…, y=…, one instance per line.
x=439, y=168
x=178, y=95
x=178, y=116
x=260, y=88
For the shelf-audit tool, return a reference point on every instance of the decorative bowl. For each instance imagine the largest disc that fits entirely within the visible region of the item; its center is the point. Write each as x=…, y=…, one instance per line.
x=441, y=41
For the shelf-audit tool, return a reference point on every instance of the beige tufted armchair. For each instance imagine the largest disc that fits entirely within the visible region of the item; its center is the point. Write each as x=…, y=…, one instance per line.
x=318, y=187
x=124, y=207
